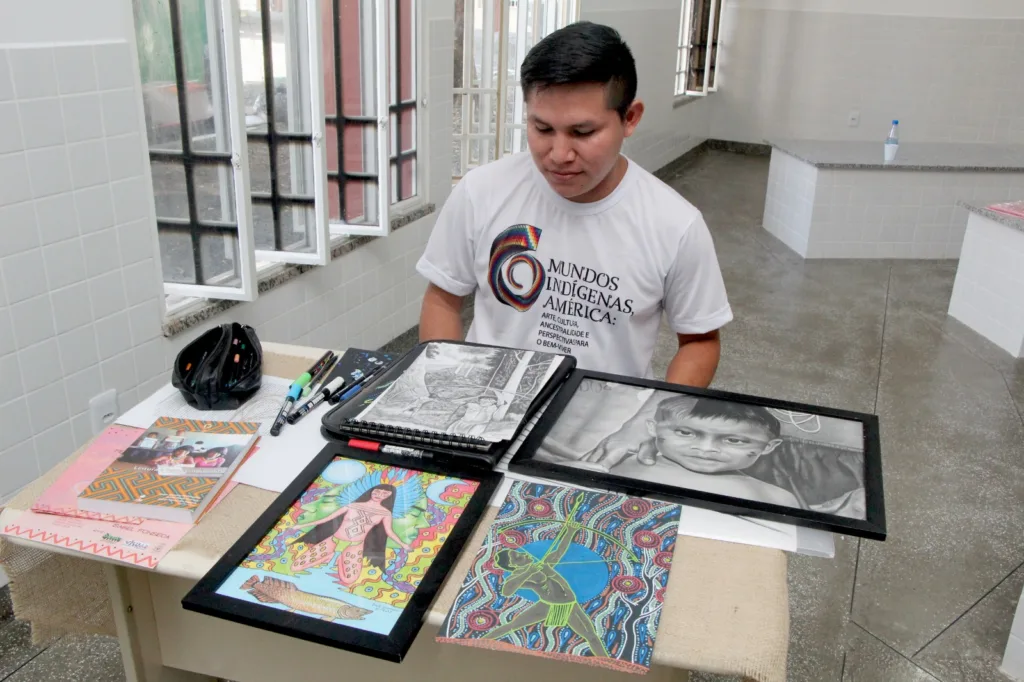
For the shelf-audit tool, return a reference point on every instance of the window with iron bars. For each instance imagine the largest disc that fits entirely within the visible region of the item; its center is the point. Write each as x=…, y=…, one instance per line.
x=492, y=38
x=274, y=125
x=697, y=54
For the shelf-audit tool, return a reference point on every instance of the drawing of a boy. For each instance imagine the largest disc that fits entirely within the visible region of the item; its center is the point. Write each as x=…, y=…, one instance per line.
x=705, y=444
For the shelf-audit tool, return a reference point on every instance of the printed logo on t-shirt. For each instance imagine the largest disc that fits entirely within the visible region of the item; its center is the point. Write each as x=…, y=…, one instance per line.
x=577, y=297
x=508, y=250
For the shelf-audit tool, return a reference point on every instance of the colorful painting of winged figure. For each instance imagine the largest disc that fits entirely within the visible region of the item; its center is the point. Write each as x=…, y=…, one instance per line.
x=569, y=574
x=354, y=546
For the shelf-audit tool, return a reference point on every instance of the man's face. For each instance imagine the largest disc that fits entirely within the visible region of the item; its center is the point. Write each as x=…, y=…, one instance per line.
x=709, y=445
x=575, y=138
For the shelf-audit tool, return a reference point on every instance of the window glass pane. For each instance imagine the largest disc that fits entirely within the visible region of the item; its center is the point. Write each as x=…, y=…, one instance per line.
x=408, y=131
x=219, y=255
x=295, y=169
x=215, y=192
x=263, y=226
x=156, y=68
x=457, y=171
x=176, y=256
x=457, y=114
x=408, y=170
x=254, y=87
x=298, y=228
x=203, y=55
x=359, y=57
x=361, y=201
x=169, y=192
x=407, y=64
x=259, y=166
x=290, y=40
x=460, y=39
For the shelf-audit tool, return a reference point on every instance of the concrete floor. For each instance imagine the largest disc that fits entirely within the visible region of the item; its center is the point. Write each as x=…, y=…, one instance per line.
x=933, y=602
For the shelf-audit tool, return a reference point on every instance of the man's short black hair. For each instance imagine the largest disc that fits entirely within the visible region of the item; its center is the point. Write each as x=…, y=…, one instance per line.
x=583, y=52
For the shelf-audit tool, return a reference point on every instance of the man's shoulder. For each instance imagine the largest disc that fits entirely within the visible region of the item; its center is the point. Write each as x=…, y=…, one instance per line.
x=660, y=197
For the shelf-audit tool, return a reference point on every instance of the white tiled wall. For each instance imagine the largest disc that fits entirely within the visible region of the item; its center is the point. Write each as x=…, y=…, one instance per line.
x=651, y=28
x=988, y=294
x=71, y=169
x=789, y=202
x=822, y=213
x=788, y=73
x=896, y=214
x=80, y=297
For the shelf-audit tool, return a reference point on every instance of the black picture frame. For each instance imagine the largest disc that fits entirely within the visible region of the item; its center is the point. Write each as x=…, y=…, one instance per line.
x=873, y=526
x=203, y=597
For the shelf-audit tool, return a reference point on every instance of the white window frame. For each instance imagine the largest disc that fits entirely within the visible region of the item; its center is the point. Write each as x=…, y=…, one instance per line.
x=315, y=92
x=495, y=140
x=247, y=291
x=684, y=46
x=255, y=262
x=384, y=57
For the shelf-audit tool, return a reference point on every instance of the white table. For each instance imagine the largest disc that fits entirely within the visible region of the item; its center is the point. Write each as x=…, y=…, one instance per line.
x=726, y=610
x=988, y=293
x=839, y=199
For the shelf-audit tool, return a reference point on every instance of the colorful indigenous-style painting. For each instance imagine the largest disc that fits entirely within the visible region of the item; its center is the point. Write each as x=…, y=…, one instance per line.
x=569, y=574
x=355, y=545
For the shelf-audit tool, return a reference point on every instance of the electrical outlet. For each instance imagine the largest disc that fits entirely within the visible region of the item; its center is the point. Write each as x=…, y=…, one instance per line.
x=854, y=119
x=102, y=410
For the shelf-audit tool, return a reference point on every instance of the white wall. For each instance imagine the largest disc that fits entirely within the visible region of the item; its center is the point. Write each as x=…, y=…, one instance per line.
x=950, y=70
x=57, y=21
x=650, y=28
x=80, y=297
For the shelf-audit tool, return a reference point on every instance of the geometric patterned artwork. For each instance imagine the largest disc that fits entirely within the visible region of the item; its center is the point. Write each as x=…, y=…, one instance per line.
x=571, y=575
x=148, y=487
x=174, y=423
x=174, y=463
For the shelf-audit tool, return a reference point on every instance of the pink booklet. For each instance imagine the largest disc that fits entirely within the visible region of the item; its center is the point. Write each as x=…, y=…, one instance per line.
x=56, y=520
x=1014, y=208
x=61, y=498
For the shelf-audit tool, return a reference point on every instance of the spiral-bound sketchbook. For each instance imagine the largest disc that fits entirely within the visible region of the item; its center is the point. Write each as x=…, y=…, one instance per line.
x=454, y=397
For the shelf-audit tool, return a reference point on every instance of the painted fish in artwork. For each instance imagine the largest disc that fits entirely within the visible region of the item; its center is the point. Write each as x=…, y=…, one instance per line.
x=275, y=591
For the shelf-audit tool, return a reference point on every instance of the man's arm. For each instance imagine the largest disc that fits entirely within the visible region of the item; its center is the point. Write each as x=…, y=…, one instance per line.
x=696, y=360
x=440, y=315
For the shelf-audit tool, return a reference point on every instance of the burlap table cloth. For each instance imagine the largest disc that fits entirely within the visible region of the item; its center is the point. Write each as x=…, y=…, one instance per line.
x=726, y=608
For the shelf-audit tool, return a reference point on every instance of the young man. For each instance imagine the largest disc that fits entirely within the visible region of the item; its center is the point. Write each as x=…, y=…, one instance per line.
x=574, y=248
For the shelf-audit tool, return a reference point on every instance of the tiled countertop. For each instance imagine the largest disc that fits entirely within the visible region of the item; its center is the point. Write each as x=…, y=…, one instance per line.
x=1001, y=218
x=921, y=156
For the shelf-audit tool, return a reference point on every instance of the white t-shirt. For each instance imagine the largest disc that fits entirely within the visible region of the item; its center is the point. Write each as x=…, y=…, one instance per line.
x=590, y=279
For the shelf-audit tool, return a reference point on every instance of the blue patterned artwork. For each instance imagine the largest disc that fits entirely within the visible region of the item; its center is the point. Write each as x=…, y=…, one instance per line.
x=571, y=575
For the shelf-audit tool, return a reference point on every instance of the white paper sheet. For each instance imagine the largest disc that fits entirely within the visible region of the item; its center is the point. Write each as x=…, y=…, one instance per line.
x=278, y=460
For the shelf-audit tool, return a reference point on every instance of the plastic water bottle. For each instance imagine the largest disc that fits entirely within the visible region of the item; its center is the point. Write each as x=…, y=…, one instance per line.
x=892, y=143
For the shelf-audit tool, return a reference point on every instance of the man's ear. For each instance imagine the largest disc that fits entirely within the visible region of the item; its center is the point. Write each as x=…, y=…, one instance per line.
x=650, y=427
x=771, y=446
x=633, y=115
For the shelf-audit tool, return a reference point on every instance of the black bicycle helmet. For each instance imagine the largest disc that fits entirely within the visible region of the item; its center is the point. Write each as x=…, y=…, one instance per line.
x=221, y=369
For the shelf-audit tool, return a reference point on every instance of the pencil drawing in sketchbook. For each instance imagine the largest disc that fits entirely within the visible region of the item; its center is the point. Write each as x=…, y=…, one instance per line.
x=477, y=392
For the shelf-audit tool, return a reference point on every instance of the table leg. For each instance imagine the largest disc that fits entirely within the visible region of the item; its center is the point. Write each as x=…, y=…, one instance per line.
x=132, y=603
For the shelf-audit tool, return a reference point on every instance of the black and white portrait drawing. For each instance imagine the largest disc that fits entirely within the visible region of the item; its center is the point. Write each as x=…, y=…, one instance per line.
x=476, y=392
x=742, y=450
